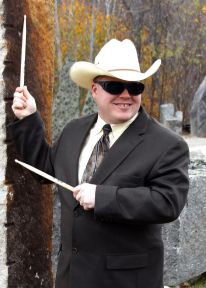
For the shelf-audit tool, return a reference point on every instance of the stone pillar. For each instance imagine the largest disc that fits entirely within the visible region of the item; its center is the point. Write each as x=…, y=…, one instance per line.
x=3, y=188
x=185, y=238
x=198, y=111
x=26, y=216
x=171, y=119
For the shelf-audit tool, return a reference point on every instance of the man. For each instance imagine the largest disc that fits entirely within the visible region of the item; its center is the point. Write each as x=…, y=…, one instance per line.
x=111, y=223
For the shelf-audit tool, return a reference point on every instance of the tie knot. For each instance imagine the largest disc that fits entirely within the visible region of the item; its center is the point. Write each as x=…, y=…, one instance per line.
x=106, y=129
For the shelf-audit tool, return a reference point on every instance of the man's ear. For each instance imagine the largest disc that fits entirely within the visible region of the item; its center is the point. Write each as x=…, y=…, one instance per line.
x=94, y=90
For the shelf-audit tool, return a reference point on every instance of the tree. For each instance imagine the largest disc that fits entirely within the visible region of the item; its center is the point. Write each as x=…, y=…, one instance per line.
x=172, y=30
x=58, y=36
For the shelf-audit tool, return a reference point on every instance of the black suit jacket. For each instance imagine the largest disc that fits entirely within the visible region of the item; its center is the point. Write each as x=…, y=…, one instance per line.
x=141, y=183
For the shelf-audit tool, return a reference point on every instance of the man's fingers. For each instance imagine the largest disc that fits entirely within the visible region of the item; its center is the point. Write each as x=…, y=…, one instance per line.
x=76, y=191
x=18, y=106
x=24, y=103
x=19, y=89
x=79, y=196
x=19, y=97
x=85, y=195
x=23, y=91
x=19, y=103
x=81, y=202
x=26, y=92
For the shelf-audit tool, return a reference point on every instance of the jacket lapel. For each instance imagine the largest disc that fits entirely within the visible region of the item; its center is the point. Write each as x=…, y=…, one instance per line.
x=131, y=137
x=78, y=139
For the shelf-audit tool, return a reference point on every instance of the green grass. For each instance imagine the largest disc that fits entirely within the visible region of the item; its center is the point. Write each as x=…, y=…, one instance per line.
x=199, y=283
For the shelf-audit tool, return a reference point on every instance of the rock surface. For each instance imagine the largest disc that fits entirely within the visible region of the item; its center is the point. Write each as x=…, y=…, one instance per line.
x=198, y=111
x=171, y=119
x=166, y=112
x=185, y=238
x=66, y=101
x=3, y=157
x=3, y=256
x=90, y=105
x=65, y=108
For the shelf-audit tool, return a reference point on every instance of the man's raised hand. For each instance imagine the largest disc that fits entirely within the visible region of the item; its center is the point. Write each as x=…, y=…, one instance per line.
x=24, y=103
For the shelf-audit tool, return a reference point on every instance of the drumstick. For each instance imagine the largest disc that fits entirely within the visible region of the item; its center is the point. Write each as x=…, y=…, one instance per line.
x=45, y=175
x=23, y=54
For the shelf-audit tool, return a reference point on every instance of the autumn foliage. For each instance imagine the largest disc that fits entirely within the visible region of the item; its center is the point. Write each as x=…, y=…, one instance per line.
x=160, y=29
x=176, y=34
x=85, y=27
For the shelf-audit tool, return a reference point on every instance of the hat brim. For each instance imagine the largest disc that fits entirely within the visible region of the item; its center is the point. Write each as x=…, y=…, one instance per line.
x=83, y=73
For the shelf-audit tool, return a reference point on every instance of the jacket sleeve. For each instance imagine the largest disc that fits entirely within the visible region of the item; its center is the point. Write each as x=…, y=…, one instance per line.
x=29, y=137
x=160, y=200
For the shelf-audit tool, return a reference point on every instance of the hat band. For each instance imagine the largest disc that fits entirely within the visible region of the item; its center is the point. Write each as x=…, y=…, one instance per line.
x=132, y=70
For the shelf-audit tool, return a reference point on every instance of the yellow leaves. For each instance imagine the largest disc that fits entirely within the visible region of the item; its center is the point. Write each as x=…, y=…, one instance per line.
x=169, y=53
x=203, y=9
x=75, y=18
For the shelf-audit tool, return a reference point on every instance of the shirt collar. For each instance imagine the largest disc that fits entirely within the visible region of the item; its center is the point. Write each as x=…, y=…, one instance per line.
x=116, y=128
x=98, y=125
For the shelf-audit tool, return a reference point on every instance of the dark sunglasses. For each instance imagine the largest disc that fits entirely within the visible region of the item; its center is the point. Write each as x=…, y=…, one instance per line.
x=116, y=88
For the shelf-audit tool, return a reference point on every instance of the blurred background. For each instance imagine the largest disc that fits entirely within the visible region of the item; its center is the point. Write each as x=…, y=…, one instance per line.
x=172, y=30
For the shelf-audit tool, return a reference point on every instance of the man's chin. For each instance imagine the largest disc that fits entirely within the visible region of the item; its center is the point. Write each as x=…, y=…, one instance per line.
x=121, y=118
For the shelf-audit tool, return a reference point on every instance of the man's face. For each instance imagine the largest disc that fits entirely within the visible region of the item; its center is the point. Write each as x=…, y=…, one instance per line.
x=115, y=109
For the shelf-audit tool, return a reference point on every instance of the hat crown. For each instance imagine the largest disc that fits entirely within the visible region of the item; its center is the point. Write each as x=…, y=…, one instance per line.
x=117, y=59
x=118, y=55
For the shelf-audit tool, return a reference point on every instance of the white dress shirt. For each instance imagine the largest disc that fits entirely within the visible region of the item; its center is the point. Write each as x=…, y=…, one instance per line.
x=95, y=134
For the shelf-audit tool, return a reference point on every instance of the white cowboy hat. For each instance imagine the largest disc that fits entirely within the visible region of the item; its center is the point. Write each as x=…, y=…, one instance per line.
x=117, y=59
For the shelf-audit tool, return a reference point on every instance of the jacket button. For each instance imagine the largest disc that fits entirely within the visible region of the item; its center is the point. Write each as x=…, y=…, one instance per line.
x=74, y=250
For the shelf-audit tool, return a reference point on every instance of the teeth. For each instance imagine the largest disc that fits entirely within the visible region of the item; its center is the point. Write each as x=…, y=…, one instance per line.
x=123, y=105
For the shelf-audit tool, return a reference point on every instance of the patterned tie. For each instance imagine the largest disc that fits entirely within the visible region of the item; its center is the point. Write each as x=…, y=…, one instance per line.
x=98, y=153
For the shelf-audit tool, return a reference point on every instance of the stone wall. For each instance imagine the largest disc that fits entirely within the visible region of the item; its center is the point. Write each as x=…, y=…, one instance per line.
x=3, y=266
x=185, y=239
x=3, y=188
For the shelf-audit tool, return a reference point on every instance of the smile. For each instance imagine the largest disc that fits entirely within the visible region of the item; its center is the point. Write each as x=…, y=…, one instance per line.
x=123, y=105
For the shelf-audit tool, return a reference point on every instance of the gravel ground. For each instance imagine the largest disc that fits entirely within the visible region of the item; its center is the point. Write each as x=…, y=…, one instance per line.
x=195, y=141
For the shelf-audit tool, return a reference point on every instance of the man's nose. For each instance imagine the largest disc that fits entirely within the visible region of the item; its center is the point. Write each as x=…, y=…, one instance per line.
x=125, y=94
